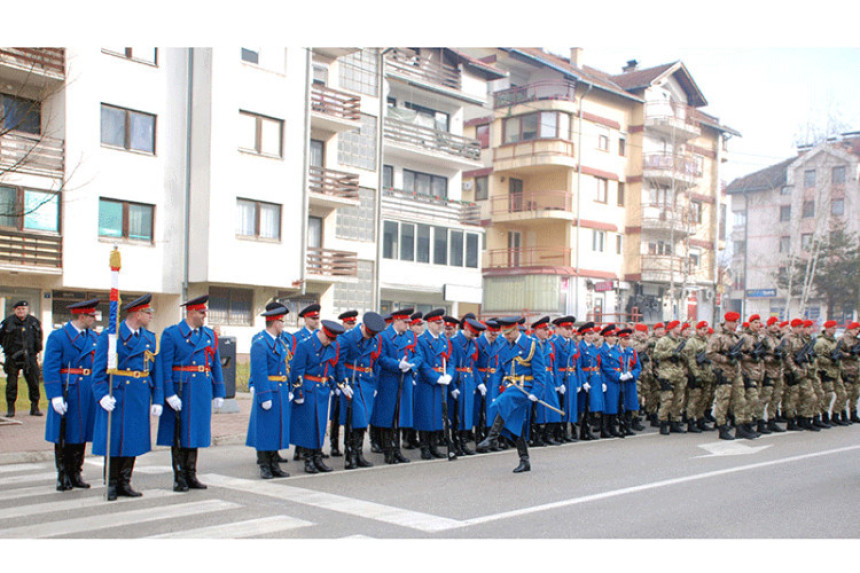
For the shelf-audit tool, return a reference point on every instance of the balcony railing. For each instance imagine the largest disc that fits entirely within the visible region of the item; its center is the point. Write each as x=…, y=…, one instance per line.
x=529, y=257
x=420, y=206
x=663, y=217
x=545, y=90
x=421, y=67
x=432, y=139
x=48, y=59
x=534, y=201
x=330, y=263
x=668, y=115
x=25, y=249
x=537, y=151
x=335, y=103
x=661, y=268
x=333, y=183
x=27, y=153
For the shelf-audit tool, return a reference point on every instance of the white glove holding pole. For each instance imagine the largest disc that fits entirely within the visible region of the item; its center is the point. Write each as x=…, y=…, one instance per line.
x=347, y=391
x=604, y=387
x=174, y=402
x=218, y=403
x=482, y=389
x=586, y=386
x=155, y=410
x=404, y=365
x=252, y=391
x=267, y=405
x=561, y=389
x=108, y=403
x=290, y=397
x=444, y=379
x=455, y=393
x=533, y=398
x=59, y=406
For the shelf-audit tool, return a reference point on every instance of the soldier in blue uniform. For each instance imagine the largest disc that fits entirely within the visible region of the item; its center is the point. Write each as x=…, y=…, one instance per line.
x=67, y=370
x=398, y=360
x=435, y=372
x=488, y=344
x=522, y=373
x=567, y=357
x=135, y=383
x=359, y=351
x=193, y=384
x=311, y=316
x=545, y=420
x=592, y=392
x=314, y=373
x=465, y=355
x=611, y=362
x=631, y=369
x=348, y=320
x=269, y=424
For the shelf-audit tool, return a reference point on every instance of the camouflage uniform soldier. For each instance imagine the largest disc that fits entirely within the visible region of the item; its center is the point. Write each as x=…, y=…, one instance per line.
x=699, y=373
x=822, y=398
x=724, y=350
x=752, y=371
x=801, y=400
x=830, y=355
x=651, y=393
x=771, y=387
x=851, y=371
x=671, y=376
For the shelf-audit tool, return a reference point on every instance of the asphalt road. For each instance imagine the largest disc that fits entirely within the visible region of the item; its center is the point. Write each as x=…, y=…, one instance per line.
x=798, y=485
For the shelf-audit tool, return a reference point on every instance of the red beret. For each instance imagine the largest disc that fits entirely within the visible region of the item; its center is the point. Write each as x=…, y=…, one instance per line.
x=830, y=324
x=641, y=327
x=852, y=326
x=732, y=316
x=796, y=322
x=703, y=324
x=783, y=324
x=685, y=326
x=673, y=324
x=745, y=325
x=659, y=325
x=710, y=330
x=754, y=317
x=808, y=323
x=771, y=320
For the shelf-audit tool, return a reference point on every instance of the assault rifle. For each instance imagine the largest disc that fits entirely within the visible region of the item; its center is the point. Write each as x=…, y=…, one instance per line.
x=734, y=353
x=836, y=355
x=855, y=350
x=702, y=357
x=805, y=354
x=779, y=351
x=758, y=351
x=676, y=354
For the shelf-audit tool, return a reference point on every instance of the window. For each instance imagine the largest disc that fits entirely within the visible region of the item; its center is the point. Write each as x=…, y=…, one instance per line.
x=786, y=190
x=618, y=244
x=622, y=146
x=694, y=260
x=127, y=129
x=320, y=72
x=359, y=70
x=233, y=306
x=740, y=218
x=482, y=188
x=808, y=209
x=358, y=148
x=19, y=114
x=472, y=250
x=541, y=125
x=260, y=134
x=809, y=178
x=317, y=153
x=838, y=176
x=387, y=177
x=597, y=239
x=785, y=213
x=602, y=138
x=620, y=194
x=142, y=55
x=428, y=117
x=696, y=211
x=806, y=241
x=425, y=184
x=422, y=245
x=315, y=232
x=357, y=223
x=784, y=244
x=407, y=242
x=440, y=246
x=602, y=188
x=125, y=220
x=456, y=256
x=837, y=206
x=482, y=134
x=258, y=219
x=389, y=239
x=29, y=209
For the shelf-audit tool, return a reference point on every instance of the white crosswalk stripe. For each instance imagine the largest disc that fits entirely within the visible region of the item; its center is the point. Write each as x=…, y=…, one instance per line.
x=11, y=468
x=71, y=504
x=22, y=492
x=28, y=479
x=239, y=529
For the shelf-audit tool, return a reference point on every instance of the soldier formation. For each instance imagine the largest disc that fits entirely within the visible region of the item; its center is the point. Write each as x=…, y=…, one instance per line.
x=434, y=382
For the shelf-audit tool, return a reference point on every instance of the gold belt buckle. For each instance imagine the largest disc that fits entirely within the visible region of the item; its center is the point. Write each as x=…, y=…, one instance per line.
x=87, y=371
x=201, y=368
x=136, y=374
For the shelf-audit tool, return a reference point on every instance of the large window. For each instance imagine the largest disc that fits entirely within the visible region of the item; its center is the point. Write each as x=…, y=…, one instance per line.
x=440, y=245
x=838, y=176
x=809, y=178
x=696, y=211
x=231, y=306
x=422, y=247
x=602, y=138
x=808, y=209
x=837, y=206
x=359, y=71
x=597, y=240
x=455, y=258
x=425, y=184
x=358, y=148
x=428, y=117
x=785, y=244
x=128, y=129
x=785, y=213
x=407, y=242
x=260, y=134
x=19, y=114
x=602, y=190
x=126, y=220
x=541, y=125
x=482, y=134
x=390, y=236
x=29, y=210
x=258, y=219
x=482, y=188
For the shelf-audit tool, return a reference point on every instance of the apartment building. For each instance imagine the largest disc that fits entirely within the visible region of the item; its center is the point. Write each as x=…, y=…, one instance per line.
x=781, y=214
x=600, y=191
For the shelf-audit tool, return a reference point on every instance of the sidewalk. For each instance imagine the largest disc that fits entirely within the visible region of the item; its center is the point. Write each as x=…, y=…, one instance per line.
x=25, y=442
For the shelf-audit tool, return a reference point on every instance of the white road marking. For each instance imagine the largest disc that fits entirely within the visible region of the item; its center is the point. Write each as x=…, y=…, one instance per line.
x=730, y=448
x=107, y=521
x=71, y=504
x=239, y=529
x=22, y=492
x=7, y=469
x=28, y=479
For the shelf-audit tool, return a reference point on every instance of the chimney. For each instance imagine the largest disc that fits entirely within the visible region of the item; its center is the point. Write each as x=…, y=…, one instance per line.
x=631, y=66
x=576, y=59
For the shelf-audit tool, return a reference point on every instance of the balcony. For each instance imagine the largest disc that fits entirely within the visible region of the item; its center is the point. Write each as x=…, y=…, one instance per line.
x=332, y=189
x=536, y=205
x=662, y=220
x=426, y=67
x=672, y=119
x=327, y=265
x=660, y=268
x=334, y=110
x=23, y=66
x=33, y=154
x=431, y=146
x=418, y=207
x=527, y=258
x=549, y=90
x=26, y=251
x=666, y=169
x=534, y=155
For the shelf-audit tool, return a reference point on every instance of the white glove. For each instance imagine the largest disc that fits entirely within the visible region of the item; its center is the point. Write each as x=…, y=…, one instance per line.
x=299, y=401
x=444, y=379
x=586, y=386
x=155, y=410
x=404, y=365
x=414, y=382
x=533, y=398
x=375, y=392
x=604, y=387
x=252, y=391
x=455, y=393
x=60, y=407
x=337, y=391
x=218, y=403
x=483, y=389
x=108, y=403
x=561, y=389
x=347, y=391
x=267, y=405
x=174, y=402
x=290, y=397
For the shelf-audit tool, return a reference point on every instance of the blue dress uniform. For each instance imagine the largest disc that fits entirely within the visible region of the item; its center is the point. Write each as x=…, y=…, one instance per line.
x=269, y=423
x=360, y=349
x=611, y=362
x=393, y=407
x=590, y=401
x=567, y=351
x=67, y=371
x=543, y=416
x=136, y=384
x=630, y=365
x=435, y=362
x=313, y=371
x=348, y=320
x=467, y=380
x=487, y=364
x=521, y=364
x=191, y=372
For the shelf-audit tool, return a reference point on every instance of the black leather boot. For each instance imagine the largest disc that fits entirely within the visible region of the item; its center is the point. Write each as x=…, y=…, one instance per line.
x=357, y=445
x=190, y=472
x=411, y=437
x=725, y=433
x=264, y=462
x=676, y=428
x=523, y=451
x=388, y=446
x=535, y=436
x=548, y=437
x=612, y=426
x=816, y=421
x=398, y=455
x=703, y=425
x=809, y=424
x=693, y=426
x=585, y=429
x=424, y=441
x=664, y=428
x=825, y=420
x=375, y=442
x=741, y=432
x=298, y=454
x=334, y=430
x=350, y=460
x=10, y=410
x=437, y=439
x=655, y=422
x=75, y=465
x=491, y=442
x=123, y=485
x=636, y=423
x=34, y=410
x=604, y=426
x=793, y=425
x=841, y=419
x=464, y=446
x=274, y=467
x=761, y=427
x=113, y=477
x=308, y=457
x=854, y=417
x=177, y=457
x=317, y=458
x=64, y=482
x=773, y=427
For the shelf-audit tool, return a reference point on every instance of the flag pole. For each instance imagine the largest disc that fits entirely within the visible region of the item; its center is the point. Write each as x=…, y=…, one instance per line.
x=113, y=329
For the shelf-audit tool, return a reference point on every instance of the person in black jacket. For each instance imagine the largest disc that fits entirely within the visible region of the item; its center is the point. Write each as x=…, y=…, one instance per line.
x=21, y=339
